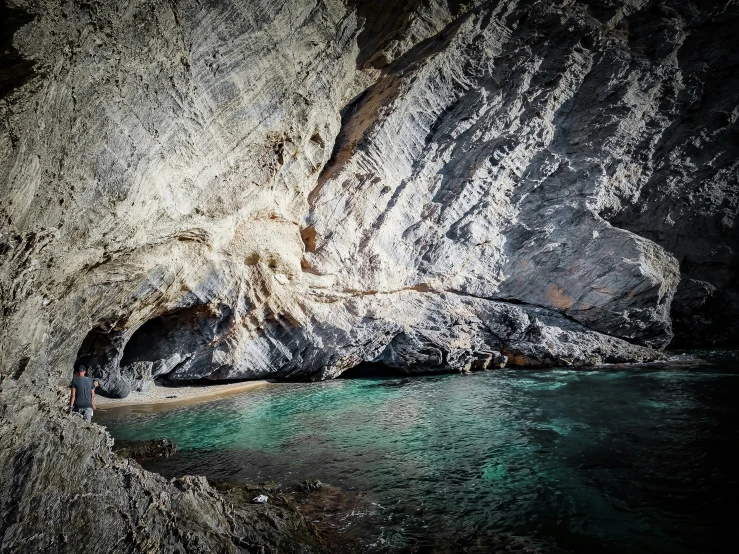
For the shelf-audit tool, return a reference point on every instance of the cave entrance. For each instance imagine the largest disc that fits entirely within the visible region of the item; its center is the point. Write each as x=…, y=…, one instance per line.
x=100, y=354
x=366, y=370
x=100, y=349
x=179, y=344
x=180, y=341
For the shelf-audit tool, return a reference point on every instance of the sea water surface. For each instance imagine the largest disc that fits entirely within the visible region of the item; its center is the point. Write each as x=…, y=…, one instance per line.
x=620, y=459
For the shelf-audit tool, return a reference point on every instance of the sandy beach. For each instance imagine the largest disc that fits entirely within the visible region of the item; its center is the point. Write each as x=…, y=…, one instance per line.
x=162, y=396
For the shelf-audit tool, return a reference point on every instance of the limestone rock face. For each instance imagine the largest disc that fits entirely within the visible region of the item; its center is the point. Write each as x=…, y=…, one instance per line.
x=241, y=190
x=490, y=177
x=288, y=188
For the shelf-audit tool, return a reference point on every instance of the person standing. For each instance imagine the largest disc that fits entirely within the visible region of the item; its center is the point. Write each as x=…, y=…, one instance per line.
x=82, y=395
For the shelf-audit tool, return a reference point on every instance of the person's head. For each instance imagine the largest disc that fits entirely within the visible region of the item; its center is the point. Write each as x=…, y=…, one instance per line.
x=81, y=370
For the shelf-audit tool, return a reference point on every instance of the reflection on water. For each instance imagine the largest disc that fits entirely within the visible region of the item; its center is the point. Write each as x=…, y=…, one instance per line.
x=621, y=459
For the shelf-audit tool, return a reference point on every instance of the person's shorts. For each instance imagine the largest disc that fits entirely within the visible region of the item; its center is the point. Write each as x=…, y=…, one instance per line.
x=85, y=413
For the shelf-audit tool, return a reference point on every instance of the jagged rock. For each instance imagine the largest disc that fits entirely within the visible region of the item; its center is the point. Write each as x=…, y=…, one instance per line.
x=61, y=480
x=115, y=386
x=290, y=188
x=256, y=269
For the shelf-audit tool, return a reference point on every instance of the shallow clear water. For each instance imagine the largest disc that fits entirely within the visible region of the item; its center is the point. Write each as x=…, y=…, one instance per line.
x=625, y=459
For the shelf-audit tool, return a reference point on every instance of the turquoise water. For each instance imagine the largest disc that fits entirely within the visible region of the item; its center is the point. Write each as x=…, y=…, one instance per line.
x=626, y=459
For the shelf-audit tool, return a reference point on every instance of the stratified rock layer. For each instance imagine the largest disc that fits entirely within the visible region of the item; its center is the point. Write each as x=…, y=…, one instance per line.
x=236, y=189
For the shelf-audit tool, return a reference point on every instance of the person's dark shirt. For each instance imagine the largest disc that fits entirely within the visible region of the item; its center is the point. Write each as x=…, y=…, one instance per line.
x=83, y=391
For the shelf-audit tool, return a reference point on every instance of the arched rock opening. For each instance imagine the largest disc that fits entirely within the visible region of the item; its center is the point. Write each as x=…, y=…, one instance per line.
x=99, y=349
x=100, y=354
x=179, y=344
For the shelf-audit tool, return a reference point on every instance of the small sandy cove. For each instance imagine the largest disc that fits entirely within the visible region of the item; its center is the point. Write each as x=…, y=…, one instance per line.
x=179, y=395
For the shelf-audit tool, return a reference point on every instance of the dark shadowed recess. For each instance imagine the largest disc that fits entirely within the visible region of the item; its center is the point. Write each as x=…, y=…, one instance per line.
x=603, y=10
x=695, y=219
x=372, y=369
x=14, y=69
x=100, y=348
x=182, y=332
x=177, y=343
x=383, y=21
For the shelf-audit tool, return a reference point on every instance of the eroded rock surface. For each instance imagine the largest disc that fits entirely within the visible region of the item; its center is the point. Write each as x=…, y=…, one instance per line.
x=65, y=491
x=235, y=189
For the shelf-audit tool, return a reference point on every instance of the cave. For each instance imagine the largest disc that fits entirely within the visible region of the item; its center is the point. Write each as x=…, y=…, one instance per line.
x=100, y=354
x=181, y=340
x=100, y=350
x=366, y=370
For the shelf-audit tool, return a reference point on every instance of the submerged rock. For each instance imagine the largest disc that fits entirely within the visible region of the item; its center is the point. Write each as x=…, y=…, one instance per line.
x=310, y=486
x=145, y=449
x=61, y=479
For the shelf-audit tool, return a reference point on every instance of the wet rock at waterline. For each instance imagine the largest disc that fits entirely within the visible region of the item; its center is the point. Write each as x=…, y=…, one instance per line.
x=145, y=449
x=310, y=485
x=441, y=332
x=237, y=190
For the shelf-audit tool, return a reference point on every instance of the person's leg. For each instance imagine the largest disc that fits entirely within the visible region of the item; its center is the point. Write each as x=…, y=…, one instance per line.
x=87, y=414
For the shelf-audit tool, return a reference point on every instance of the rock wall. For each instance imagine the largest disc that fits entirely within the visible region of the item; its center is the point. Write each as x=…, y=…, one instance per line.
x=63, y=490
x=243, y=189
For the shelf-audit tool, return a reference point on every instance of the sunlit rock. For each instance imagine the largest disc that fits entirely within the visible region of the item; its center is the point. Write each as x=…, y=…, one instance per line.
x=238, y=189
